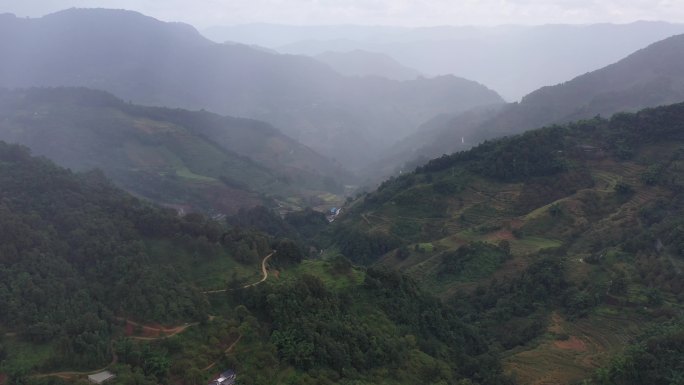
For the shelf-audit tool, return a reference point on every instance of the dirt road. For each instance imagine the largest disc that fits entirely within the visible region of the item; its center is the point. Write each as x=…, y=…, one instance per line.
x=264, y=272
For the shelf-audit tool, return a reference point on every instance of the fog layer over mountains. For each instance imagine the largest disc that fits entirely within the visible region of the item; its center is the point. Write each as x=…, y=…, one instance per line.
x=141, y=59
x=513, y=60
x=650, y=77
x=370, y=111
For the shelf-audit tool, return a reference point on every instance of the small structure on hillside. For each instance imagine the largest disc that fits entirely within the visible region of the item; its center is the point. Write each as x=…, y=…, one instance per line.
x=226, y=378
x=332, y=214
x=101, y=377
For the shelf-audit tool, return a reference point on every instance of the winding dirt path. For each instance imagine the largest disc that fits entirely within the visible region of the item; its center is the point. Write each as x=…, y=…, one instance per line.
x=228, y=349
x=264, y=272
x=167, y=332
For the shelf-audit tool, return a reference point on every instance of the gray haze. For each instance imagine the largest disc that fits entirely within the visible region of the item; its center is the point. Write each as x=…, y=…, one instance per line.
x=138, y=58
x=205, y=13
x=513, y=60
x=312, y=82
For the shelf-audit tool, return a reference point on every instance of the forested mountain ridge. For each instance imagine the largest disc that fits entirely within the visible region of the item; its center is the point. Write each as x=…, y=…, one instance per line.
x=601, y=196
x=650, y=77
x=154, y=63
x=196, y=160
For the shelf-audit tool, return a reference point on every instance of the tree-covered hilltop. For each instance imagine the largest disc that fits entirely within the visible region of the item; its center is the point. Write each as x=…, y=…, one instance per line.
x=350, y=326
x=76, y=254
x=601, y=198
x=655, y=357
x=191, y=159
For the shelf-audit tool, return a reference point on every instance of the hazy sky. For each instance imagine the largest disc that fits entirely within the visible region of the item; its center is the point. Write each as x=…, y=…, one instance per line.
x=205, y=13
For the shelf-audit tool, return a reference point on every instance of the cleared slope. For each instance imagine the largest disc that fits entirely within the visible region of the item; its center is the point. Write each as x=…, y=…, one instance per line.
x=191, y=160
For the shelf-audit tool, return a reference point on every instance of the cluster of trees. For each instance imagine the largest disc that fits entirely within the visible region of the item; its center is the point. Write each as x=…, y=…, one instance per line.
x=513, y=311
x=303, y=227
x=264, y=220
x=364, y=247
x=534, y=153
x=633, y=130
x=657, y=357
x=385, y=329
x=73, y=256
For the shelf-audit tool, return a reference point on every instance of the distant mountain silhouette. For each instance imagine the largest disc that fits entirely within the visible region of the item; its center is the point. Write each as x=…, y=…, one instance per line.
x=650, y=77
x=513, y=60
x=151, y=62
x=364, y=63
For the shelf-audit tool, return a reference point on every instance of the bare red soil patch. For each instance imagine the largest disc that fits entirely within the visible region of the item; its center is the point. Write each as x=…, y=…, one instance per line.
x=134, y=329
x=572, y=343
x=151, y=331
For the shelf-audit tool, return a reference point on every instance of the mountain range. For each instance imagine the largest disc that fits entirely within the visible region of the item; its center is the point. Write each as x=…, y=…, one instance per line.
x=190, y=160
x=650, y=77
x=150, y=62
x=364, y=63
x=514, y=60
x=527, y=255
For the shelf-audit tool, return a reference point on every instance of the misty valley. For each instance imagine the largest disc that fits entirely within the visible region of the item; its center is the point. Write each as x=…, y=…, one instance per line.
x=340, y=204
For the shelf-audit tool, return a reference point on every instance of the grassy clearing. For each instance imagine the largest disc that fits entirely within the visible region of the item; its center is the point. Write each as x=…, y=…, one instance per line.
x=330, y=198
x=184, y=172
x=529, y=245
x=426, y=247
x=324, y=270
x=25, y=355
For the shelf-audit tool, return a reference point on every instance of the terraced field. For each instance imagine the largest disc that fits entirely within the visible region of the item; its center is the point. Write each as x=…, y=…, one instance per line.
x=570, y=352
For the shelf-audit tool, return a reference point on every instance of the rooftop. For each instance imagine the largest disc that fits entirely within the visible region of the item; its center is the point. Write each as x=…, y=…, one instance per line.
x=101, y=377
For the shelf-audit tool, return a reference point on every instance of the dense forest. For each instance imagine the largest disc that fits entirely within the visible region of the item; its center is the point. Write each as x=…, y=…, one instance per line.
x=541, y=235
x=76, y=261
x=167, y=246
x=454, y=273
x=75, y=257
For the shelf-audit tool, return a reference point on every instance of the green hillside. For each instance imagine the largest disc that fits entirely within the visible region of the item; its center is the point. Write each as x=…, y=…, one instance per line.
x=600, y=197
x=78, y=256
x=94, y=278
x=553, y=257
x=183, y=159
